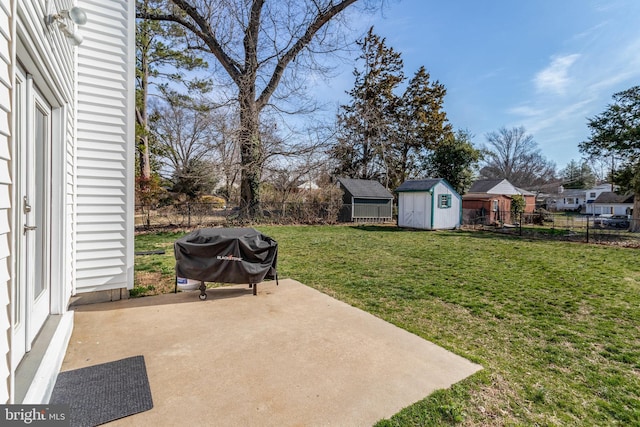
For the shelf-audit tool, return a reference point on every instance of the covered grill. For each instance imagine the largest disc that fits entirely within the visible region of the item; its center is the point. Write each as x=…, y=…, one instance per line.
x=226, y=255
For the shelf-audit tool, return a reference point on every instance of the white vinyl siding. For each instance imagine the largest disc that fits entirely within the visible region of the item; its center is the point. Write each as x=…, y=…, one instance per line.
x=436, y=208
x=104, y=186
x=5, y=182
x=448, y=215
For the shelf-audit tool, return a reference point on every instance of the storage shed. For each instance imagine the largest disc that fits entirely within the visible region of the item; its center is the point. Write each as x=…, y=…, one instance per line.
x=429, y=204
x=365, y=200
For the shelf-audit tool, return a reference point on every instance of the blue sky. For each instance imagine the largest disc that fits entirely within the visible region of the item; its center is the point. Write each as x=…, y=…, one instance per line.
x=547, y=65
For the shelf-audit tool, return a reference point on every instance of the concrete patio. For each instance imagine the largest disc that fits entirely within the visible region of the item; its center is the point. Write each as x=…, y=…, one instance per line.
x=290, y=356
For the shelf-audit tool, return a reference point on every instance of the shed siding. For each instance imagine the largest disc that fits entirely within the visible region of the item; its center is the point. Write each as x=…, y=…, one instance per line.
x=371, y=209
x=104, y=186
x=447, y=217
x=5, y=182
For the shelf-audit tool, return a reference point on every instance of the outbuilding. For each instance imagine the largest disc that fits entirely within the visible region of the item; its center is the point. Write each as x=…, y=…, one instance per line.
x=365, y=200
x=429, y=204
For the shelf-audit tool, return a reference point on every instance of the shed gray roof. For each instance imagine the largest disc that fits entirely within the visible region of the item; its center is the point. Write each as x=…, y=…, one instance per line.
x=418, y=184
x=609, y=197
x=365, y=188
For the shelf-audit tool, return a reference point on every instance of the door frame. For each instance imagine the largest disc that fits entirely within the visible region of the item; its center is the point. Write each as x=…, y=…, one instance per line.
x=61, y=158
x=32, y=191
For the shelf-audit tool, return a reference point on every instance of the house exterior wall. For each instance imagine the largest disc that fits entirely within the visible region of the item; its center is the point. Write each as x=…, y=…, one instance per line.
x=48, y=59
x=571, y=200
x=612, y=208
x=105, y=156
x=592, y=194
x=530, y=203
x=493, y=208
x=6, y=52
x=87, y=148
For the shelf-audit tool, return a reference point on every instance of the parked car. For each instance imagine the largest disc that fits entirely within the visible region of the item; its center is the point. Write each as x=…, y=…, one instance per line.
x=600, y=220
x=617, y=221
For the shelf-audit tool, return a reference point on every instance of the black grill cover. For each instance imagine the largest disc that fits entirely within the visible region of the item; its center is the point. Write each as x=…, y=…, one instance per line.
x=226, y=255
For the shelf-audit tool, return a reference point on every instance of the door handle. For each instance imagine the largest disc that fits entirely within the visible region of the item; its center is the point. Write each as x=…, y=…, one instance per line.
x=29, y=228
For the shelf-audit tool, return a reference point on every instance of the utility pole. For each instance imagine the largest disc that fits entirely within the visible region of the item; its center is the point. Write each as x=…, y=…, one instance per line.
x=612, y=170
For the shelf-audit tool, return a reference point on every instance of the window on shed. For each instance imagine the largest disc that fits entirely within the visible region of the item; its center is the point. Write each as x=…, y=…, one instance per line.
x=444, y=201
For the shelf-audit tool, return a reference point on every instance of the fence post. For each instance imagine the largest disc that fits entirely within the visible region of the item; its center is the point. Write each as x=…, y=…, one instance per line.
x=189, y=215
x=588, y=229
x=521, y=223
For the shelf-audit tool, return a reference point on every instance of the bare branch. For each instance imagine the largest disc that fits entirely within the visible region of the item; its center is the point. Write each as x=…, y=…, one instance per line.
x=283, y=62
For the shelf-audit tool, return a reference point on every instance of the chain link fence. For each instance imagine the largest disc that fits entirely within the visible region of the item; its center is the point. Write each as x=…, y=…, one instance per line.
x=610, y=229
x=191, y=215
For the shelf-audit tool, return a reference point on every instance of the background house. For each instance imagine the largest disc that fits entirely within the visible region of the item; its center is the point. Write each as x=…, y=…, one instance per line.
x=529, y=200
x=489, y=201
x=571, y=200
x=486, y=208
x=579, y=200
x=365, y=200
x=66, y=177
x=612, y=203
x=428, y=204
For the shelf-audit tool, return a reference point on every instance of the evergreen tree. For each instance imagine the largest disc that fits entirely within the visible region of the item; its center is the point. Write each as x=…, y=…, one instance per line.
x=382, y=135
x=456, y=160
x=616, y=132
x=577, y=175
x=365, y=125
x=423, y=127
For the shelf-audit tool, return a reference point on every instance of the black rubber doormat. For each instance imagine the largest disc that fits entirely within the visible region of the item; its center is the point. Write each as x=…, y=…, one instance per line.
x=102, y=393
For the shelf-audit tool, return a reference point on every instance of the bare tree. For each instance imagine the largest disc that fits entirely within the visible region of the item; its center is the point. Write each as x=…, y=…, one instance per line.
x=185, y=135
x=226, y=151
x=255, y=43
x=514, y=155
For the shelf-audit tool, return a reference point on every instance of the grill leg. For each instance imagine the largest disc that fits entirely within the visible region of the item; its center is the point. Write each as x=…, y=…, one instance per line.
x=255, y=289
x=203, y=291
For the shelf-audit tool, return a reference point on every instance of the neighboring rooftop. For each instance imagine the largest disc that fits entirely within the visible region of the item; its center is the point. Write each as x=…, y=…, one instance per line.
x=609, y=197
x=493, y=186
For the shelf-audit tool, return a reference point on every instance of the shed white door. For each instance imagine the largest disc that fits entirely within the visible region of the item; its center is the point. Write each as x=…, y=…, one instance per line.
x=414, y=210
x=31, y=302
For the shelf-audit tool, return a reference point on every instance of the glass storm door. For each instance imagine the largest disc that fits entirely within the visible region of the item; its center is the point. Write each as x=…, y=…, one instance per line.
x=32, y=293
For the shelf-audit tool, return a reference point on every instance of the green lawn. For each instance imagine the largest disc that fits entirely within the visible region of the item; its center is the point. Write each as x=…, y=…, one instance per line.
x=555, y=325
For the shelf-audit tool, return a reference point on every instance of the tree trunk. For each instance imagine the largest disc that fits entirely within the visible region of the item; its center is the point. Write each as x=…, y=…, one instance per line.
x=143, y=121
x=634, y=225
x=251, y=154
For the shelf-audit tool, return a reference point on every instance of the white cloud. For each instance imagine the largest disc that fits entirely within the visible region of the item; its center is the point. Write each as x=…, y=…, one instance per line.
x=525, y=111
x=555, y=77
